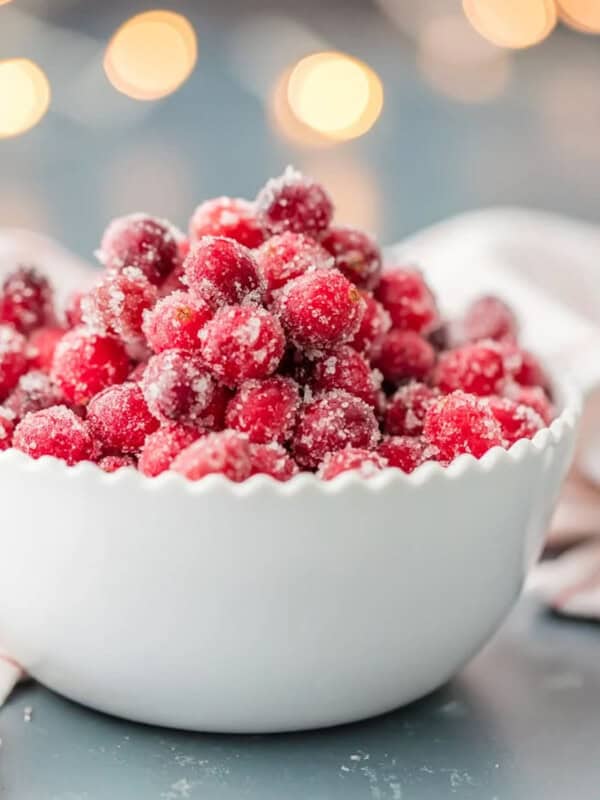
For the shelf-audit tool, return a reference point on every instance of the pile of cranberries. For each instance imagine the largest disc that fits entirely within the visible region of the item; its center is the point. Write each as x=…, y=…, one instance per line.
x=268, y=341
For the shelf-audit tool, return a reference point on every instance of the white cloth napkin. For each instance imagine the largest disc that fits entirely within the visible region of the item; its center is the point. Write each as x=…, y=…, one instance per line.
x=548, y=268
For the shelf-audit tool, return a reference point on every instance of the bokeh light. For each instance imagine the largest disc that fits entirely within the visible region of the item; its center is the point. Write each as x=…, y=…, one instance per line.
x=334, y=94
x=151, y=55
x=512, y=23
x=24, y=96
x=583, y=15
x=286, y=123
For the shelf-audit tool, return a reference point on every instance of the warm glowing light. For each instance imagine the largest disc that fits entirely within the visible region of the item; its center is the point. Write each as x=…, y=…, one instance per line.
x=24, y=96
x=4, y=2
x=583, y=15
x=286, y=123
x=512, y=23
x=151, y=55
x=336, y=95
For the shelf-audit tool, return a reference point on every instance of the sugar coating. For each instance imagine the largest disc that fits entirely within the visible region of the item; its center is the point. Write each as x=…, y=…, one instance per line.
x=345, y=368
x=405, y=355
x=356, y=254
x=272, y=459
x=41, y=346
x=533, y=396
x=518, y=421
x=55, y=431
x=227, y=452
x=163, y=446
x=461, y=423
x=375, y=323
x=407, y=407
x=407, y=452
x=408, y=299
x=6, y=428
x=366, y=463
x=26, y=300
x=33, y=392
x=475, y=368
x=232, y=217
x=288, y=255
x=265, y=410
x=175, y=322
x=118, y=303
x=114, y=463
x=178, y=387
x=293, y=202
x=120, y=418
x=221, y=271
x=13, y=358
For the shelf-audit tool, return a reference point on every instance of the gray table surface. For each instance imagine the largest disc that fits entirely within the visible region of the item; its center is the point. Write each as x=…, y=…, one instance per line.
x=522, y=721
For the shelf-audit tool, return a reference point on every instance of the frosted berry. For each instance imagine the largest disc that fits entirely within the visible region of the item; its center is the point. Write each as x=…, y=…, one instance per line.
x=118, y=303
x=26, y=300
x=273, y=460
x=366, y=463
x=405, y=354
x=534, y=397
x=33, y=392
x=517, y=421
x=178, y=387
x=13, y=358
x=356, y=254
x=265, y=410
x=120, y=419
x=162, y=446
x=227, y=216
x=114, y=463
x=57, y=432
x=293, y=202
x=332, y=422
x=475, y=368
x=346, y=369
x=141, y=241
x=461, y=423
x=242, y=342
x=221, y=271
x=406, y=452
x=86, y=362
x=41, y=346
x=320, y=310
x=287, y=256
x=524, y=367
x=374, y=324
x=407, y=408
x=408, y=299
x=6, y=428
x=227, y=453
x=490, y=318
x=175, y=322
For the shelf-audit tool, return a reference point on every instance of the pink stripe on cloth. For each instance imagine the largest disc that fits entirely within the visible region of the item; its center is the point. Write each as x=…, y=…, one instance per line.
x=10, y=674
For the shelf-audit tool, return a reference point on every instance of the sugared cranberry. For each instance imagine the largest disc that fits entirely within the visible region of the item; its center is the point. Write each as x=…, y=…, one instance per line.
x=272, y=459
x=13, y=358
x=227, y=216
x=293, y=202
x=114, y=463
x=406, y=452
x=57, y=432
x=242, y=342
x=265, y=410
x=320, y=310
x=221, y=271
x=26, y=300
x=178, y=387
x=227, y=452
x=41, y=346
x=141, y=241
x=375, y=323
x=461, y=423
x=366, y=462
x=73, y=313
x=356, y=254
x=86, y=362
x=345, y=368
x=6, y=428
x=475, y=368
x=407, y=408
x=287, y=256
x=332, y=422
x=524, y=367
x=517, y=421
x=162, y=446
x=118, y=303
x=405, y=354
x=411, y=305
x=120, y=419
x=490, y=318
x=175, y=322
x=33, y=392
x=534, y=397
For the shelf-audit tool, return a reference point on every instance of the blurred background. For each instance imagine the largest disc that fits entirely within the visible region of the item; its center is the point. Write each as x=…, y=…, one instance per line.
x=409, y=110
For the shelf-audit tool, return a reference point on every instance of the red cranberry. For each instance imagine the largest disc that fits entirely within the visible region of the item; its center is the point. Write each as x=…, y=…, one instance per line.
x=33, y=392
x=213, y=419
x=162, y=446
x=490, y=318
x=294, y=203
x=178, y=387
x=375, y=323
x=41, y=346
x=406, y=452
x=26, y=300
x=408, y=299
x=524, y=367
x=272, y=459
x=118, y=303
x=534, y=397
x=114, y=463
x=242, y=342
x=405, y=354
x=73, y=313
x=320, y=310
x=57, y=432
x=346, y=369
x=221, y=271
x=287, y=256
x=175, y=322
x=6, y=428
x=517, y=421
x=366, y=462
x=356, y=254
x=332, y=422
x=475, y=368
x=265, y=410
x=227, y=216
x=86, y=362
x=227, y=452
x=120, y=419
x=13, y=358
x=461, y=423
x=141, y=241
x=407, y=408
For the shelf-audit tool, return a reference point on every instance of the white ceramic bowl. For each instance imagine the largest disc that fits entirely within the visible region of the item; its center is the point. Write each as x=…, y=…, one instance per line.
x=262, y=606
